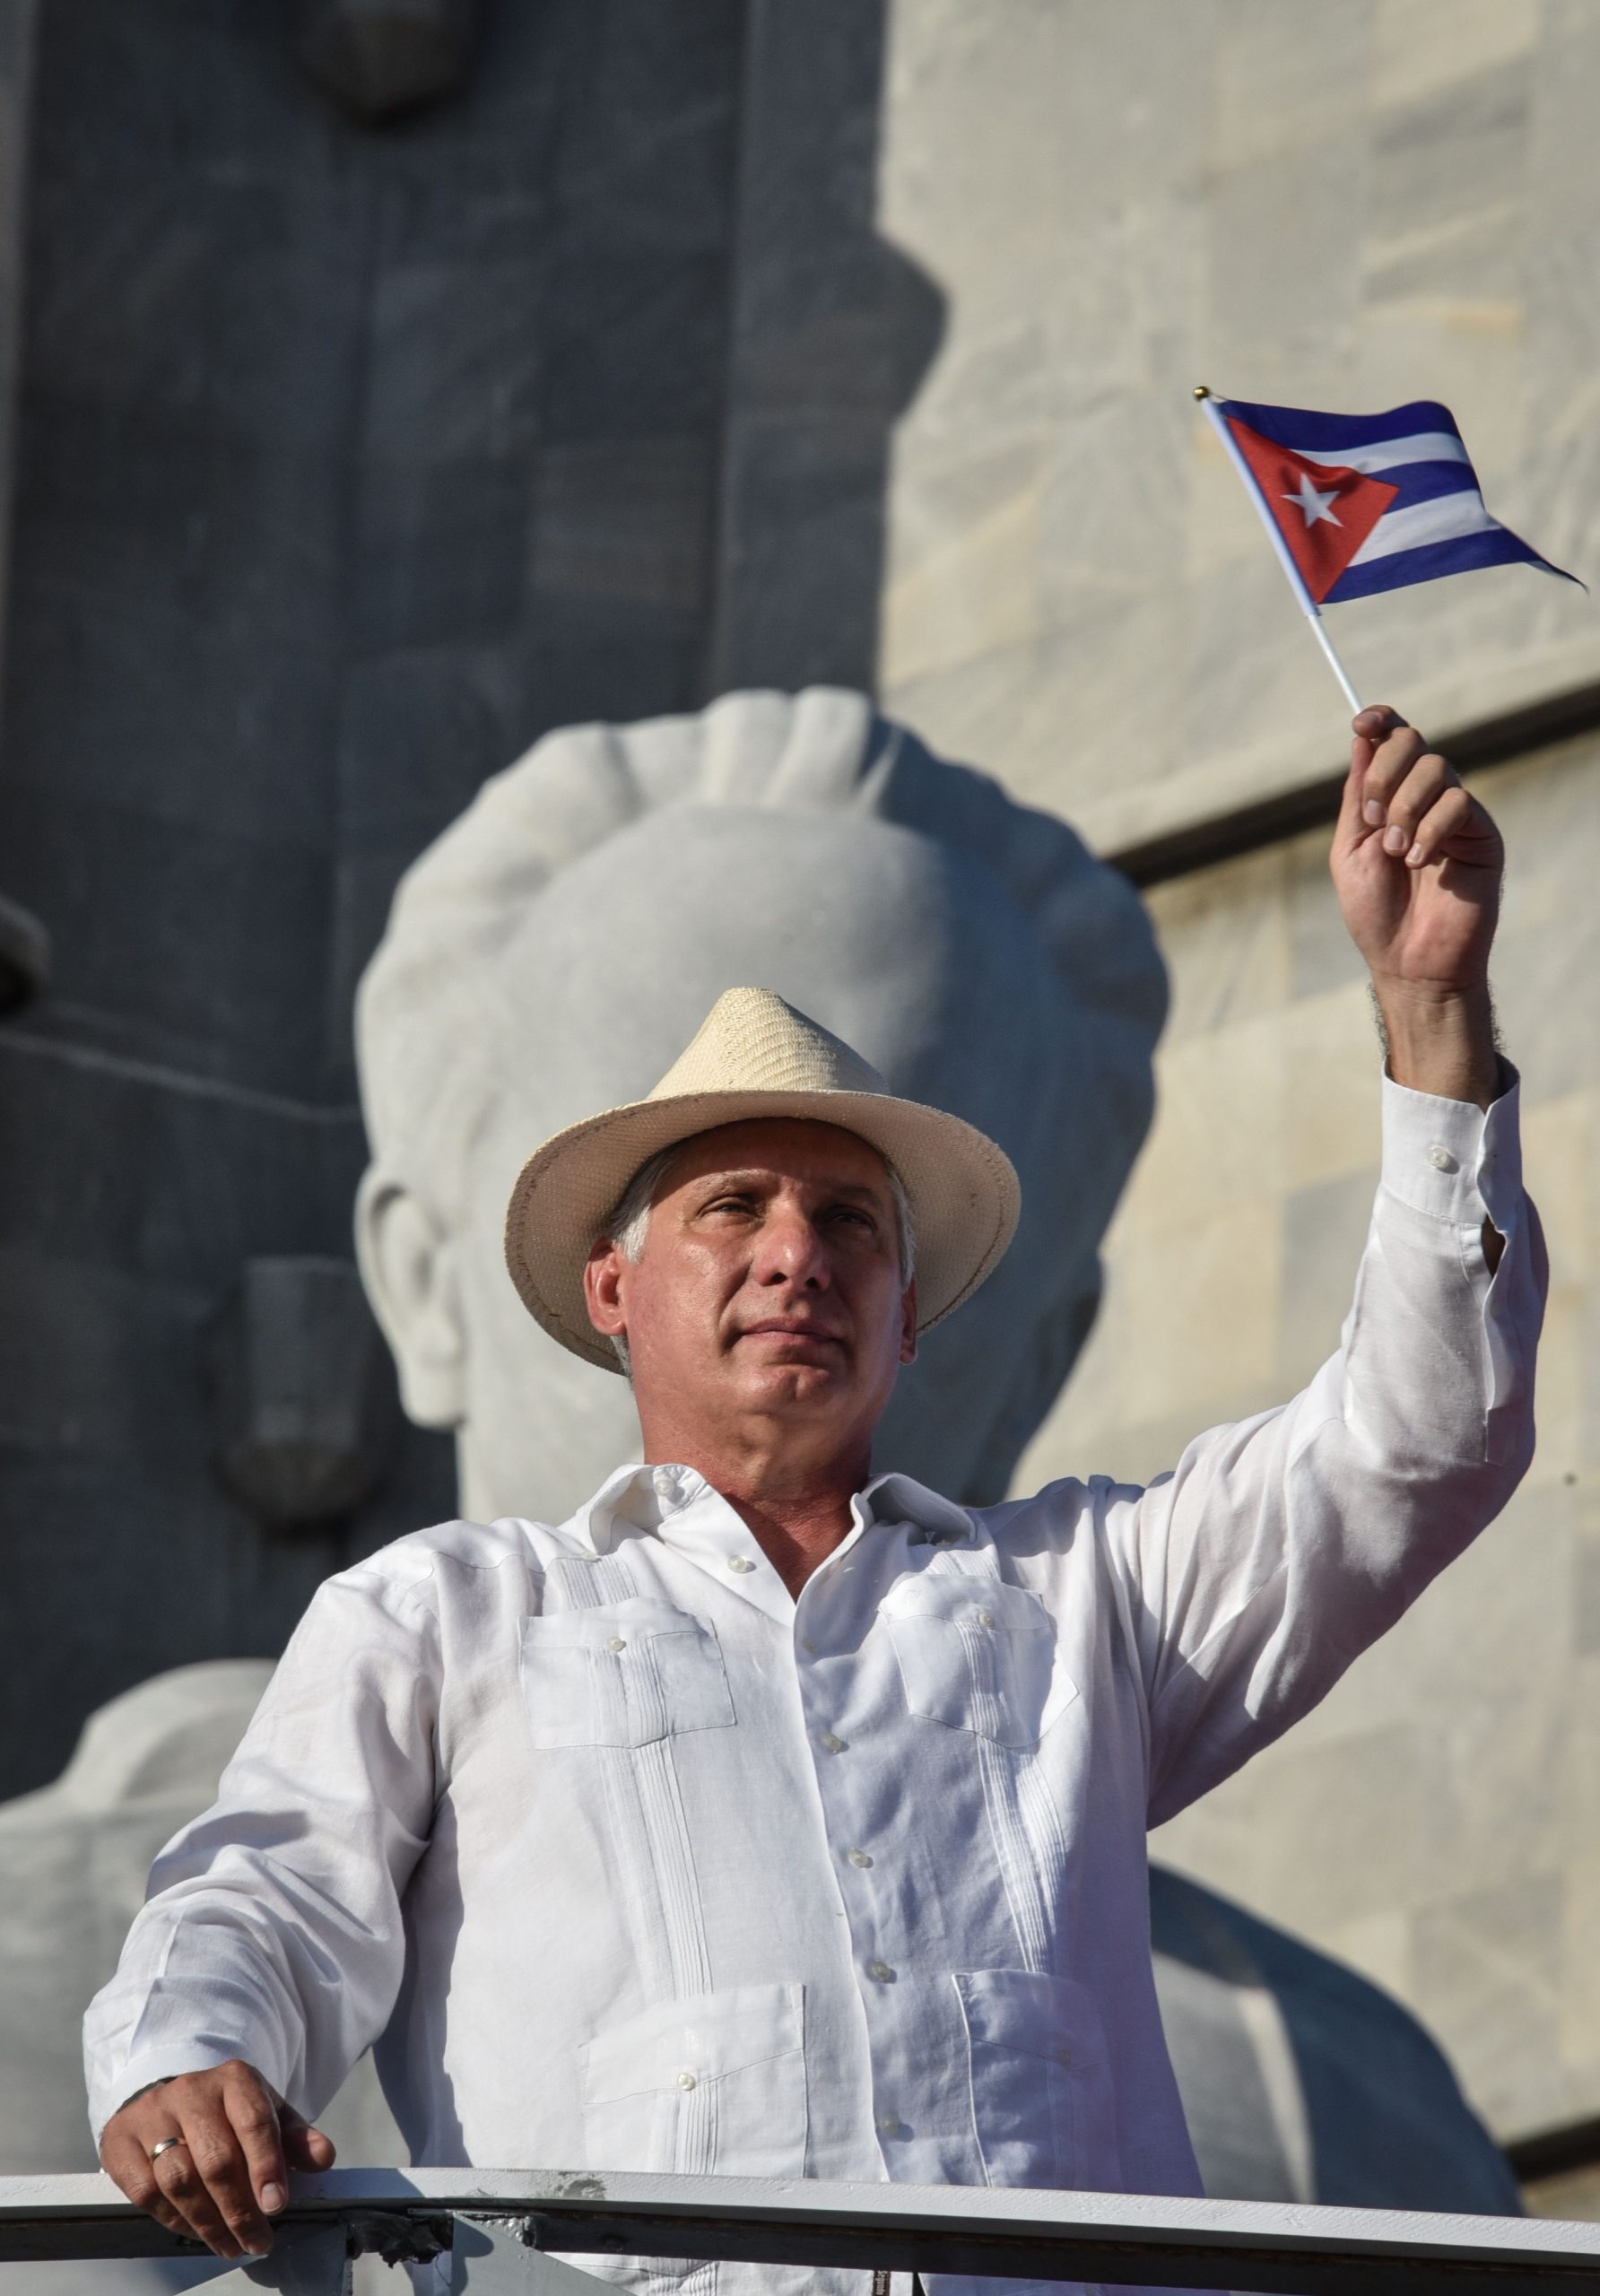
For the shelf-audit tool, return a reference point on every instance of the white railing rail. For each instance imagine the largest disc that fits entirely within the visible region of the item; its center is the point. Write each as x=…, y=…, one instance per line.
x=500, y=2226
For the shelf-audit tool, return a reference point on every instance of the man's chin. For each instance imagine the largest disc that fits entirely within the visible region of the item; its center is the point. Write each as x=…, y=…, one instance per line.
x=800, y=1381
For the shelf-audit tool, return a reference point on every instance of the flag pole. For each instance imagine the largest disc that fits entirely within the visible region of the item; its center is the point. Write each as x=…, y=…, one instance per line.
x=1295, y=580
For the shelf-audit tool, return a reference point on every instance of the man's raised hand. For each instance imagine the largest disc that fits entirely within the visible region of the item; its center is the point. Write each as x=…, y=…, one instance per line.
x=226, y=2177
x=1417, y=865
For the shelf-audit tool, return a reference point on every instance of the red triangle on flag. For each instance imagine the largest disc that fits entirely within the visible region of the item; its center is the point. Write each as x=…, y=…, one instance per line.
x=1325, y=512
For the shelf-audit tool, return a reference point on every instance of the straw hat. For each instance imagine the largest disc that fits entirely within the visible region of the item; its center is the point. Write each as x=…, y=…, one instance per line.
x=754, y=1056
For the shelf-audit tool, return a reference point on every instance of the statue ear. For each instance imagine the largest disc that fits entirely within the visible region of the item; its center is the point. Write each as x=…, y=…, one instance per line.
x=408, y=1265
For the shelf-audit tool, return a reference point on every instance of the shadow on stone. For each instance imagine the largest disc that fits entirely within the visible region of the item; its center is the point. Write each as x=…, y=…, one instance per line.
x=302, y=1397
x=381, y=59
x=24, y=957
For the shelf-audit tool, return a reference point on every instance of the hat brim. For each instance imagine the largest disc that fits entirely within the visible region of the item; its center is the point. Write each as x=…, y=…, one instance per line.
x=962, y=1189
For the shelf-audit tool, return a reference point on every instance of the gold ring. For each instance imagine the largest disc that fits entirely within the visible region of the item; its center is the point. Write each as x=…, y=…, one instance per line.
x=165, y=2145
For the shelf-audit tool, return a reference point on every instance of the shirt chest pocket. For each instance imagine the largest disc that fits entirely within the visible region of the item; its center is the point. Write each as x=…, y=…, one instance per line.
x=622, y=1675
x=977, y=1655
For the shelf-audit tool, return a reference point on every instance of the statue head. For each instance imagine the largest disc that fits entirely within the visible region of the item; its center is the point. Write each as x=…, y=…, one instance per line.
x=553, y=952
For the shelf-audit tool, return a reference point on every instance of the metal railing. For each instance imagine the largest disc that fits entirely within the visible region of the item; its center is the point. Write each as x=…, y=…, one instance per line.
x=500, y=2226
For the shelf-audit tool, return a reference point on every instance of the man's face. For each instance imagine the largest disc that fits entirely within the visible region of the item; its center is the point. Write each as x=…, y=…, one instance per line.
x=769, y=1283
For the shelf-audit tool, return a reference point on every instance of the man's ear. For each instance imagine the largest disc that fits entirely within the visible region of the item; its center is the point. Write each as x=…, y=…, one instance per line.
x=602, y=1288
x=408, y=1265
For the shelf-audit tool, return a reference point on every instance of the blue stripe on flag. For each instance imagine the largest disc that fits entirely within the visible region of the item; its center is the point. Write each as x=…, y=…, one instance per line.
x=1294, y=426
x=1423, y=482
x=1497, y=546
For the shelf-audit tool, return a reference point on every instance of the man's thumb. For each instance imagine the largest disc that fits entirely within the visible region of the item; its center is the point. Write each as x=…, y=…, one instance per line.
x=305, y=2147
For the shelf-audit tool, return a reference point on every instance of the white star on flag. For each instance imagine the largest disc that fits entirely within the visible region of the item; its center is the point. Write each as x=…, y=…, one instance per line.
x=1313, y=506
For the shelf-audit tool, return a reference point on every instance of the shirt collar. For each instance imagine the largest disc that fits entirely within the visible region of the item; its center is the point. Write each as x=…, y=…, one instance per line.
x=899, y=1498
x=637, y=1497
x=643, y=1497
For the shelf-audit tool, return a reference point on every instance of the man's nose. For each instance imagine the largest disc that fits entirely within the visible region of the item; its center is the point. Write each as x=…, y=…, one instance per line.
x=791, y=1251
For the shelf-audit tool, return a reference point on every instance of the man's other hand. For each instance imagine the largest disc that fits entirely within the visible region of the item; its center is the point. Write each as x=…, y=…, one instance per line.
x=228, y=2173
x=1417, y=866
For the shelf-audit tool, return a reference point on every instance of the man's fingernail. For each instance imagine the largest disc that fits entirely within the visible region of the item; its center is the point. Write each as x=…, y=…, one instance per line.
x=1415, y=858
x=1393, y=840
x=272, y=2197
x=1372, y=814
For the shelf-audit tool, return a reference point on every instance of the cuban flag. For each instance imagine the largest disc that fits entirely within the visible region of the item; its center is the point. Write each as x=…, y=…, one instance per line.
x=1368, y=502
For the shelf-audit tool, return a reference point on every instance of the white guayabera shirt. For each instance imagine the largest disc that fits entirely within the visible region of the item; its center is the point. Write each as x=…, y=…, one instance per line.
x=626, y=1859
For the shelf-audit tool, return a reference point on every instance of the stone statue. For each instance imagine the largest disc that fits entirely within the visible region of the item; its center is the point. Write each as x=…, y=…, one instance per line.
x=562, y=940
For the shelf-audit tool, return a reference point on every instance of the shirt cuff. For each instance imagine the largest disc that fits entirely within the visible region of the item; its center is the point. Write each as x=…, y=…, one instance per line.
x=1452, y=1159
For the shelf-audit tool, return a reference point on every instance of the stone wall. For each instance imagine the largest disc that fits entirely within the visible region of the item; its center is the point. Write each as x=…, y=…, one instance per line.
x=349, y=462
x=1343, y=207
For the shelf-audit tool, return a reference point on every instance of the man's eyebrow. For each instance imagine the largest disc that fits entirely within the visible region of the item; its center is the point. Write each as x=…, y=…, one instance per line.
x=863, y=1190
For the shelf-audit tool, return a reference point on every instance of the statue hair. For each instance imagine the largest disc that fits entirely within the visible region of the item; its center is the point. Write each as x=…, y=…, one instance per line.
x=437, y=977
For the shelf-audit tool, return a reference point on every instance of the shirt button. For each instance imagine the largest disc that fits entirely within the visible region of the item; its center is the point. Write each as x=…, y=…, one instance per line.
x=890, y=2123
x=1440, y=1158
x=1064, y=2057
x=686, y=2081
x=986, y=1617
x=859, y=1858
x=880, y=1972
x=740, y=1562
x=834, y=1744
x=808, y=1645
x=616, y=1642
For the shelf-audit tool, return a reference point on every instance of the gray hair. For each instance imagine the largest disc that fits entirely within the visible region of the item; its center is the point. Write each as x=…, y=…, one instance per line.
x=629, y=1222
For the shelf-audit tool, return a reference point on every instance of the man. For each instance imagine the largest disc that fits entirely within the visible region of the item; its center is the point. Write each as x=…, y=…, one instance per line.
x=765, y=1818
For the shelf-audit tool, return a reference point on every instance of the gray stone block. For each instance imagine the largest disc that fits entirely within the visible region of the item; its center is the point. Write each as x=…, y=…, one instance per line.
x=624, y=521
x=1321, y=954
x=1447, y=185
x=633, y=343
x=1495, y=1957
x=221, y=974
